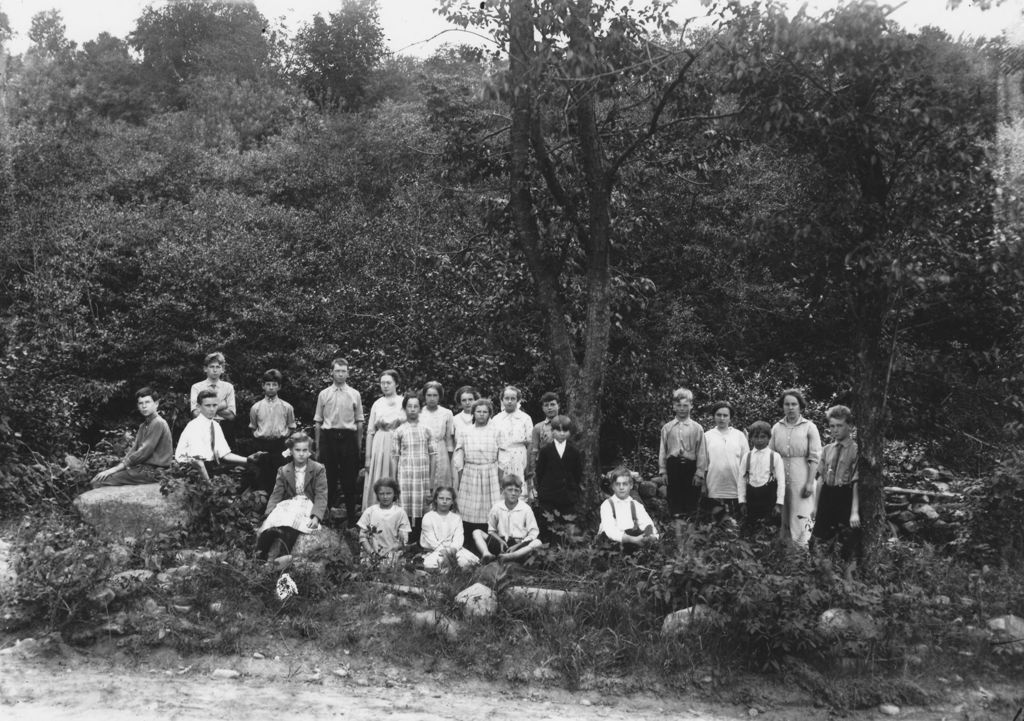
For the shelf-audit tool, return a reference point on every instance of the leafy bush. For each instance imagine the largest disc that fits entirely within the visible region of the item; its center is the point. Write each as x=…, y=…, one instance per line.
x=219, y=514
x=59, y=562
x=997, y=519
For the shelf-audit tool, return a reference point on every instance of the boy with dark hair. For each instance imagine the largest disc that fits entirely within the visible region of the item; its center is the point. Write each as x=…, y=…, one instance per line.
x=559, y=471
x=202, y=444
x=837, y=499
x=761, y=489
x=151, y=451
x=272, y=421
x=339, y=434
x=542, y=434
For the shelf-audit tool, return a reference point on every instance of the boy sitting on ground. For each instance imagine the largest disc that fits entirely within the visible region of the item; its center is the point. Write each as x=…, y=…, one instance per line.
x=624, y=520
x=512, y=531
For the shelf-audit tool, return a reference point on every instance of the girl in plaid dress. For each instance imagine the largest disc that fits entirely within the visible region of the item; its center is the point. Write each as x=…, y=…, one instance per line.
x=476, y=465
x=415, y=456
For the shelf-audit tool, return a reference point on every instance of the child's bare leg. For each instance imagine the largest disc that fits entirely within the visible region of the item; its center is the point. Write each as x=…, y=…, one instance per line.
x=480, y=539
x=520, y=554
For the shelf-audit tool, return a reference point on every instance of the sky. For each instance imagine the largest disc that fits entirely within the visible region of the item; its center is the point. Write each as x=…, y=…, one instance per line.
x=409, y=25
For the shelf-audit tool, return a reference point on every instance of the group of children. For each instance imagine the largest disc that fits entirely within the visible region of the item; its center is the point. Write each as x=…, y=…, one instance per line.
x=760, y=476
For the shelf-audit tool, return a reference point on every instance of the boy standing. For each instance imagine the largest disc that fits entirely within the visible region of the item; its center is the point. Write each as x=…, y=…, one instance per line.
x=150, y=452
x=837, y=499
x=202, y=444
x=512, y=529
x=559, y=470
x=339, y=434
x=683, y=457
x=215, y=364
x=542, y=434
x=761, y=490
x=272, y=420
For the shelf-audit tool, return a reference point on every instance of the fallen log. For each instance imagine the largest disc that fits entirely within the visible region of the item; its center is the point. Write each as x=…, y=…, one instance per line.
x=947, y=495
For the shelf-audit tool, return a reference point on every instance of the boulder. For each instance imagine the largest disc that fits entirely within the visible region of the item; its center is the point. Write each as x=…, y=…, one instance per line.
x=1007, y=634
x=846, y=622
x=680, y=621
x=136, y=511
x=8, y=576
x=648, y=489
x=478, y=601
x=926, y=510
x=324, y=544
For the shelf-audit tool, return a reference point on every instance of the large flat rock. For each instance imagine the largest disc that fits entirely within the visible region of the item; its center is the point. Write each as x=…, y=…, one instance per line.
x=117, y=512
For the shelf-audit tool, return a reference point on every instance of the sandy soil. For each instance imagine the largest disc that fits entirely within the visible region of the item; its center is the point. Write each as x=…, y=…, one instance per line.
x=54, y=682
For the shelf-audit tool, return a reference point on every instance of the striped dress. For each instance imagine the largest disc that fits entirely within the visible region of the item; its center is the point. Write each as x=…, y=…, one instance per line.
x=412, y=446
x=476, y=455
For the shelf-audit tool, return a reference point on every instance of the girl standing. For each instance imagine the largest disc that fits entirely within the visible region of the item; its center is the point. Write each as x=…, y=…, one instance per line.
x=442, y=428
x=414, y=456
x=797, y=440
x=476, y=466
x=515, y=432
x=386, y=415
x=465, y=397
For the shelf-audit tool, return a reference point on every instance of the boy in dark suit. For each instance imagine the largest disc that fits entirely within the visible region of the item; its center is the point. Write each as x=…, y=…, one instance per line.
x=559, y=471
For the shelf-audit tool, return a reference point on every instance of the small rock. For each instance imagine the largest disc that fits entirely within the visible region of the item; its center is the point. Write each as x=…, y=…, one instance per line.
x=910, y=527
x=341, y=672
x=216, y=607
x=752, y=712
x=941, y=601
x=150, y=607
x=543, y=673
x=648, y=489
x=889, y=709
x=680, y=621
x=225, y=673
x=128, y=583
x=586, y=702
x=1007, y=634
x=391, y=620
x=258, y=656
x=926, y=510
x=282, y=562
x=543, y=598
x=440, y=623
x=75, y=464
x=930, y=474
x=477, y=601
x=841, y=620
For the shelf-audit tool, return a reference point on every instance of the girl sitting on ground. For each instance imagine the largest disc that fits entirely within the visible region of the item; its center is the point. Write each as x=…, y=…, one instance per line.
x=442, y=535
x=384, y=527
x=298, y=502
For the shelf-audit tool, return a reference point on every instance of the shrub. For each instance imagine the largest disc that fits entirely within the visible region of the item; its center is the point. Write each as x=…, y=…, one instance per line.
x=997, y=520
x=59, y=562
x=220, y=512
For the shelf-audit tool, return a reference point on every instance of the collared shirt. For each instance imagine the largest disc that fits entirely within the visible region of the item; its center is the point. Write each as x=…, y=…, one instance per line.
x=271, y=418
x=761, y=464
x=152, y=444
x=224, y=390
x=560, y=447
x=617, y=517
x=300, y=480
x=684, y=439
x=196, y=441
x=339, y=408
x=516, y=522
x=725, y=450
x=845, y=472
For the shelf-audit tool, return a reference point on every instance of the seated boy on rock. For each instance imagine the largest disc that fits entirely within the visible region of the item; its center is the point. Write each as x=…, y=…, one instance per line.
x=512, y=531
x=151, y=451
x=624, y=520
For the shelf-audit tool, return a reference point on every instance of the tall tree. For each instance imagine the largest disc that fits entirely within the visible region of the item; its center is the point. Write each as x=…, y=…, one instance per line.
x=184, y=40
x=334, y=57
x=901, y=125
x=588, y=90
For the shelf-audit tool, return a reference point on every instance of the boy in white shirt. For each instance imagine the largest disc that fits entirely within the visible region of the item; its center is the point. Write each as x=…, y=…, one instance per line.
x=512, y=531
x=624, y=520
x=761, y=489
x=202, y=444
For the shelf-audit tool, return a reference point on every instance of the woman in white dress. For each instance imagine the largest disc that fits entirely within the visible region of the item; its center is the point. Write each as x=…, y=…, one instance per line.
x=386, y=415
x=797, y=440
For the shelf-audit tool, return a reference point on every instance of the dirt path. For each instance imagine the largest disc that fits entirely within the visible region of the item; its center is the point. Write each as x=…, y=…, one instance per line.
x=54, y=682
